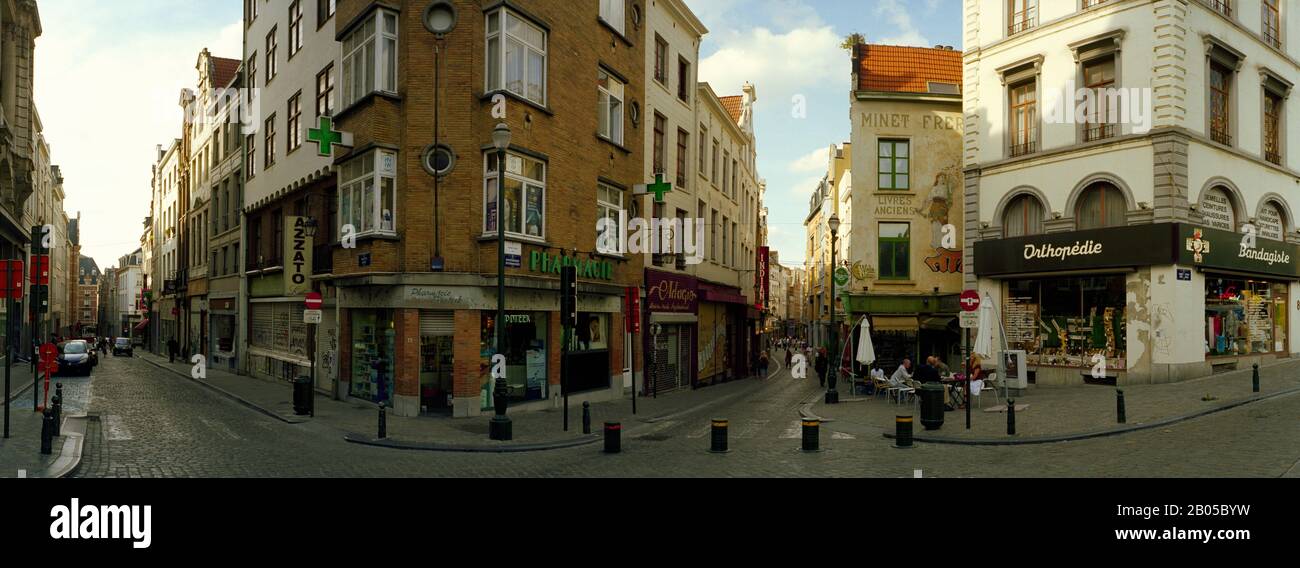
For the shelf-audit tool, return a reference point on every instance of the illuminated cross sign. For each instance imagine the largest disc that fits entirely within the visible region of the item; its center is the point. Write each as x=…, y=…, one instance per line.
x=659, y=188
x=1198, y=246
x=326, y=137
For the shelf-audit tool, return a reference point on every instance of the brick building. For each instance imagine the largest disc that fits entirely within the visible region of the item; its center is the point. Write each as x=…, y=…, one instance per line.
x=417, y=295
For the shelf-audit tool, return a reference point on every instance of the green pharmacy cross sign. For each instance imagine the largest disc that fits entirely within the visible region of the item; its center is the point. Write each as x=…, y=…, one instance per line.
x=326, y=137
x=659, y=188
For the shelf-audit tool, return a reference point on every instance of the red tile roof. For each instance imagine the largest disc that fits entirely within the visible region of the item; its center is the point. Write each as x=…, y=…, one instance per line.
x=733, y=105
x=224, y=71
x=899, y=69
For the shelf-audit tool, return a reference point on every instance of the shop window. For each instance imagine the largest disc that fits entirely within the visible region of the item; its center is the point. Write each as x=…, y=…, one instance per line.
x=525, y=207
x=374, y=343
x=1245, y=317
x=1101, y=205
x=895, y=251
x=1066, y=322
x=526, y=348
x=1024, y=217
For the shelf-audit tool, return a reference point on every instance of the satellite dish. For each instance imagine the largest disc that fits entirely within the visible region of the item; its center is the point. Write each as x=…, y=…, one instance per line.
x=440, y=18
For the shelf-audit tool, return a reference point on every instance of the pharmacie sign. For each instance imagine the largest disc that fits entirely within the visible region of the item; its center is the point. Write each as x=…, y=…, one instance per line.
x=1216, y=248
x=1112, y=247
x=553, y=263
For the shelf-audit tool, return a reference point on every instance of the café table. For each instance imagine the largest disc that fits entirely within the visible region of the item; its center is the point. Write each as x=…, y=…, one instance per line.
x=956, y=389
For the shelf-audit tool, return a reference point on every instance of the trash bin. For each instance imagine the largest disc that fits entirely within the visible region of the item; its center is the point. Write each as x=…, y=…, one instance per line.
x=302, y=395
x=932, y=406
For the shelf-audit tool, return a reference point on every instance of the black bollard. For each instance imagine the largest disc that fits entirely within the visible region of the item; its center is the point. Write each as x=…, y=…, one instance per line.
x=613, y=437
x=57, y=406
x=1119, y=406
x=383, y=421
x=1254, y=377
x=47, y=432
x=586, y=417
x=812, y=435
x=903, y=432
x=719, y=437
x=1011, y=417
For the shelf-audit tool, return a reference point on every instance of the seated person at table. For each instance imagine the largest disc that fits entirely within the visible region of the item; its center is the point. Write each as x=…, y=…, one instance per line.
x=877, y=373
x=927, y=373
x=940, y=366
x=903, y=374
x=976, y=369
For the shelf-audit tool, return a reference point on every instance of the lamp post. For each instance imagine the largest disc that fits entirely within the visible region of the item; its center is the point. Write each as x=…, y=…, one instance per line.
x=832, y=395
x=500, y=428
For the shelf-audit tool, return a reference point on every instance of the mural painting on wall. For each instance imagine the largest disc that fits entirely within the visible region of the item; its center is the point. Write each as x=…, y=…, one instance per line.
x=947, y=259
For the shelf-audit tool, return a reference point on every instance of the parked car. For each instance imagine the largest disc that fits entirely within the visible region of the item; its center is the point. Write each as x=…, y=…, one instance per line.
x=76, y=357
x=122, y=346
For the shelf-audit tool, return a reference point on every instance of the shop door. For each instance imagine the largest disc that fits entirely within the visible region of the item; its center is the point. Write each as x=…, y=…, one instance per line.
x=672, y=359
x=436, y=332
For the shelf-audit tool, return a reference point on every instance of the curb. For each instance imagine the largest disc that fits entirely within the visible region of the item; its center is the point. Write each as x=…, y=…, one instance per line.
x=228, y=394
x=13, y=396
x=74, y=440
x=499, y=449
x=1102, y=433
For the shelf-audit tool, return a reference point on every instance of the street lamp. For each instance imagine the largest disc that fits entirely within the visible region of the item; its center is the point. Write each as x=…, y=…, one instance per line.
x=501, y=428
x=832, y=395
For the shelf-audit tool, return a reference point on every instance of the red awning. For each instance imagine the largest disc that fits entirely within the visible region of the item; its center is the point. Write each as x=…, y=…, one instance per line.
x=143, y=323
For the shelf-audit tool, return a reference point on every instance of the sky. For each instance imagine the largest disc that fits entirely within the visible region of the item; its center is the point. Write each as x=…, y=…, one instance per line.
x=109, y=75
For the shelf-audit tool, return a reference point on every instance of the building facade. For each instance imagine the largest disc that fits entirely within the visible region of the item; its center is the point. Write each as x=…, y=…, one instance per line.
x=167, y=298
x=20, y=25
x=1185, y=150
x=824, y=203
x=86, y=305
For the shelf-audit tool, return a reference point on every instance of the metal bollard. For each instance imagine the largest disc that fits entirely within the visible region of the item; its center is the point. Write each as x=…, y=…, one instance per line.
x=613, y=437
x=383, y=421
x=1119, y=406
x=1254, y=377
x=719, y=437
x=47, y=432
x=1011, y=417
x=586, y=417
x=812, y=435
x=903, y=432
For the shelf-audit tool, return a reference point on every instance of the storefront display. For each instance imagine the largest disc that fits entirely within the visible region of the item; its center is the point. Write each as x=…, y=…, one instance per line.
x=373, y=349
x=526, y=343
x=1244, y=317
x=1067, y=321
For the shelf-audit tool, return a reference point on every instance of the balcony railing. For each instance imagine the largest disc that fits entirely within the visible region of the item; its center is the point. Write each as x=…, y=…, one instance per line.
x=1098, y=132
x=1221, y=136
x=1022, y=21
x=1221, y=6
x=1023, y=149
x=1273, y=157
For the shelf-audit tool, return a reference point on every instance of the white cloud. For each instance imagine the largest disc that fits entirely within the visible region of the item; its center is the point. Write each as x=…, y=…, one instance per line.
x=106, y=100
x=781, y=65
x=815, y=161
x=897, y=14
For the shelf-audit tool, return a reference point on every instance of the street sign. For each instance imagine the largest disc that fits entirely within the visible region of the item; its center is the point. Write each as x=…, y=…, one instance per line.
x=11, y=279
x=842, y=276
x=313, y=301
x=970, y=301
x=311, y=316
x=970, y=320
x=40, y=270
x=514, y=255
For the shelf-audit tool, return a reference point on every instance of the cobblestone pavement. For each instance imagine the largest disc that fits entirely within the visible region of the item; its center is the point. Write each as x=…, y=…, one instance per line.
x=155, y=424
x=22, y=451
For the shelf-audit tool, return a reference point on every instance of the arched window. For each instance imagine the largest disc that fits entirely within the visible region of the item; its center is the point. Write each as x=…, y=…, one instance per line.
x=1272, y=221
x=1023, y=217
x=1101, y=205
x=1216, y=209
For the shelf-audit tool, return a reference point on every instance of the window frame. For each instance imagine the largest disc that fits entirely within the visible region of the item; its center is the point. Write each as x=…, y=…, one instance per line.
x=502, y=37
x=272, y=49
x=352, y=189
x=326, y=94
x=268, y=141
x=293, y=124
x=683, y=158
x=295, y=28
x=1272, y=35
x=661, y=61
x=607, y=209
x=377, y=66
x=490, y=193
x=617, y=21
x=894, y=243
x=1026, y=19
x=659, y=163
x=604, y=106
x=1022, y=201
x=893, y=157
x=1105, y=188
x=325, y=10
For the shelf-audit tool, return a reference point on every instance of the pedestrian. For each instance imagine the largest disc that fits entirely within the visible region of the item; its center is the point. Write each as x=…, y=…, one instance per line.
x=172, y=347
x=789, y=357
x=762, y=365
x=820, y=366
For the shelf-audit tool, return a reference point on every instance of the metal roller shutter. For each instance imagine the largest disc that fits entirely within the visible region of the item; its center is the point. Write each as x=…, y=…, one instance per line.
x=437, y=323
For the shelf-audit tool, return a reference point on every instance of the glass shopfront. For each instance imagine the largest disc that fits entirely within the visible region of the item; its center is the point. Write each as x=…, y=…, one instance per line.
x=1244, y=317
x=526, y=344
x=373, y=348
x=589, y=354
x=1066, y=322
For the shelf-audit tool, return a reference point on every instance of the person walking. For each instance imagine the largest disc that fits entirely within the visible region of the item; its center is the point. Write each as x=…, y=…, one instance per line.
x=172, y=347
x=820, y=366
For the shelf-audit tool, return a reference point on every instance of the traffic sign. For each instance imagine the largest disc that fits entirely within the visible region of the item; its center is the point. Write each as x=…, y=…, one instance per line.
x=313, y=301
x=970, y=320
x=311, y=316
x=970, y=301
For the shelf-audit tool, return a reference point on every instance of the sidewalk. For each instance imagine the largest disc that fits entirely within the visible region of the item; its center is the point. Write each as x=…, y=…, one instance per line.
x=20, y=455
x=1061, y=413
x=533, y=431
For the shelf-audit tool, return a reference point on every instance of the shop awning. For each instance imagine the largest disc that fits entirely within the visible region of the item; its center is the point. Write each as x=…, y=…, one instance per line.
x=937, y=323
x=143, y=324
x=885, y=323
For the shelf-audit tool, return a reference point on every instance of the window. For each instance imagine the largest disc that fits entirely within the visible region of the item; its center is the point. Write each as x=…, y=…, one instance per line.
x=1272, y=127
x=293, y=128
x=612, y=12
x=525, y=189
x=1023, y=217
x=895, y=165
x=1099, y=78
x=704, y=151
x=661, y=60
x=735, y=175
x=252, y=72
x=295, y=28
x=1221, y=6
x=610, y=106
x=277, y=237
x=717, y=160
x=726, y=250
x=250, y=151
x=252, y=10
x=726, y=170
x=370, y=58
x=1024, y=117
x=1220, y=103
x=713, y=235
x=516, y=56
x=272, y=45
x=325, y=92
x=268, y=158
x=1023, y=15
x=1065, y=322
x=684, y=80
x=1090, y=3
x=1101, y=205
x=324, y=11
x=366, y=190
x=609, y=209
x=895, y=254
x=660, y=124
x=683, y=143
x=1272, y=23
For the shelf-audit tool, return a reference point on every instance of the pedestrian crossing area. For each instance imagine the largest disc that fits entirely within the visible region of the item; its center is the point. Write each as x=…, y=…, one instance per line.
x=741, y=430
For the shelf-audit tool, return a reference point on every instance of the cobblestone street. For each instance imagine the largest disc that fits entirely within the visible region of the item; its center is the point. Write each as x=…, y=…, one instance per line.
x=150, y=423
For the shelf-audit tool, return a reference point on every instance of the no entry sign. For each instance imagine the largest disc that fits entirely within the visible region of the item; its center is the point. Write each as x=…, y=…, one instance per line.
x=970, y=301
x=313, y=301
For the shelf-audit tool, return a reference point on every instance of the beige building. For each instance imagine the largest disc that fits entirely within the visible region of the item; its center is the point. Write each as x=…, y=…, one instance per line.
x=824, y=204
x=904, y=222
